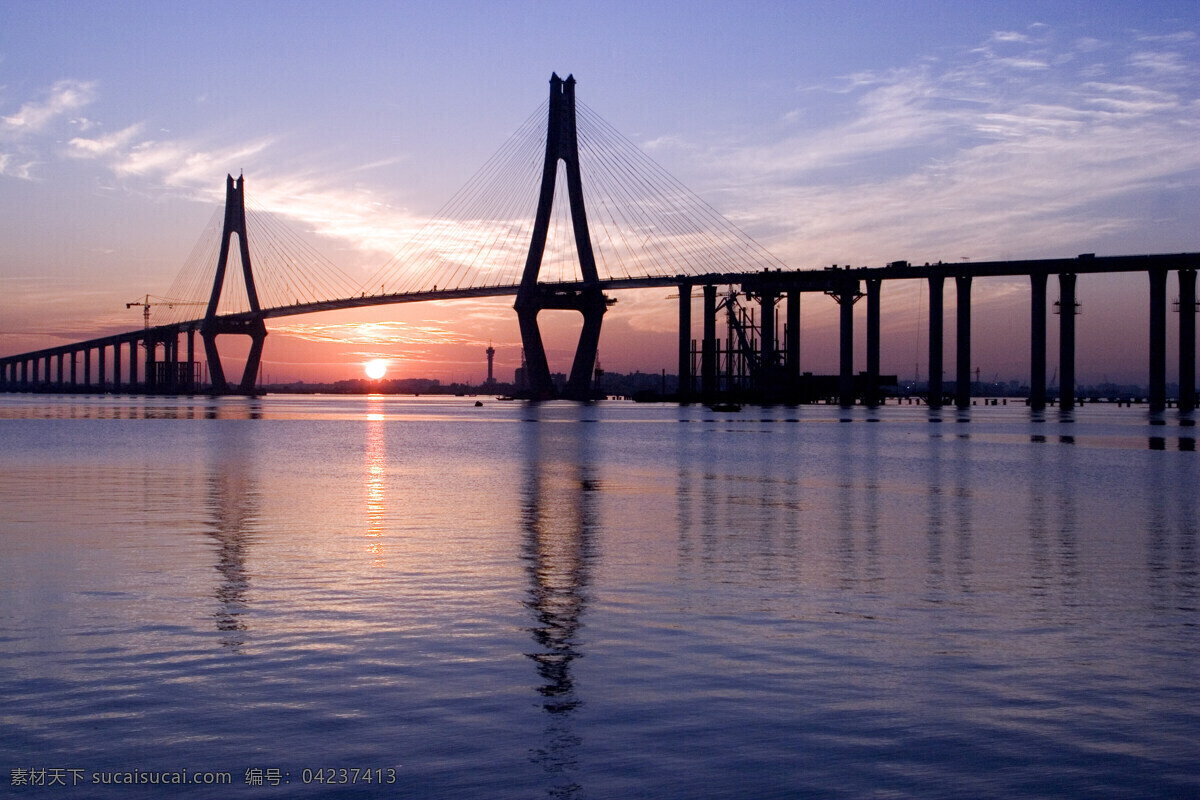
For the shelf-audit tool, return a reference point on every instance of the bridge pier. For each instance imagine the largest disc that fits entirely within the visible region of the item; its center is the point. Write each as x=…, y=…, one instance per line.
x=768, y=372
x=150, y=356
x=191, y=357
x=100, y=367
x=1158, y=339
x=708, y=345
x=1187, y=340
x=1037, y=340
x=935, y=340
x=685, y=344
x=846, y=295
x=962, y=383
x=792, y=339
x=1066, y=340
x=872, y=397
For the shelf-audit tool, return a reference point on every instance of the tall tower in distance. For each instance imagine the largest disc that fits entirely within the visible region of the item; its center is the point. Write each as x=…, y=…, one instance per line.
x=491, y=354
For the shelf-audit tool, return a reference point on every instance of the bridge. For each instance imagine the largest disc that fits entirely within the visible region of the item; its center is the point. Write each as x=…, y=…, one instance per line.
x=652, y=233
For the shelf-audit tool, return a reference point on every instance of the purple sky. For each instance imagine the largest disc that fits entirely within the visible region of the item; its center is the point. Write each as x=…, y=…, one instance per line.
x=831, y=132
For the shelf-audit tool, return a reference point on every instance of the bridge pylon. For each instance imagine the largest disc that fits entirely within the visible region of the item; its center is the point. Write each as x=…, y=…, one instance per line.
x=562, y=144
x=248, y=324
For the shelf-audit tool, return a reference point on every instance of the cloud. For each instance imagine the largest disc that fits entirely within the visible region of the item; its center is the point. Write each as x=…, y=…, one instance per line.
x=16, y=166
x=1009, y=147
x=184, y=164
x=1163, y=63
x=1010, y=36
x=375, y=333
x=80, y=147
x=35, y=116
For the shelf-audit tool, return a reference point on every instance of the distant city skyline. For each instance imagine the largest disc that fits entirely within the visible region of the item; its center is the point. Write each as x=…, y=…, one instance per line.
x=830, y=132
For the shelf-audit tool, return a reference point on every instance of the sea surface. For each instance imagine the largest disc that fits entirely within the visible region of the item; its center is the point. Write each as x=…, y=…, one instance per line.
x=328, y=596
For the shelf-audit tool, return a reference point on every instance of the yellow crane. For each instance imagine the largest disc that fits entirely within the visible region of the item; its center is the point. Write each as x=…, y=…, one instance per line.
x=152, y=300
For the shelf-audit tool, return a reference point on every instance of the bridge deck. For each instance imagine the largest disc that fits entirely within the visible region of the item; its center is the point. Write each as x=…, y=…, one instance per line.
x=811, y=280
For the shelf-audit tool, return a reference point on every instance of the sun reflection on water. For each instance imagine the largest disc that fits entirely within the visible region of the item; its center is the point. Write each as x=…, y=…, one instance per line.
x=376, y=458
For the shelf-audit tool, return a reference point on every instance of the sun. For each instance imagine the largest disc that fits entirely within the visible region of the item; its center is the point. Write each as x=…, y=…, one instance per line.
x=376, y=368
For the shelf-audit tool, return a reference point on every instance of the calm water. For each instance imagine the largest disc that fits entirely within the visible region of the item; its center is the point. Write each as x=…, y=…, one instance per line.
x=614, y=601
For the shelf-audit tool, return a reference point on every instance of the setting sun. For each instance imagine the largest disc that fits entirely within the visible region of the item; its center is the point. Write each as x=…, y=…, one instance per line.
x=376, y=369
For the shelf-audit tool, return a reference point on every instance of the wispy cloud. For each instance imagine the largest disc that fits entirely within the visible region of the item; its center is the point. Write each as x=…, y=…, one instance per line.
x=22, y=131
x=375, y=333
x=80, y=147
x=15, y=166
x=62, y=98
x=1019, y=145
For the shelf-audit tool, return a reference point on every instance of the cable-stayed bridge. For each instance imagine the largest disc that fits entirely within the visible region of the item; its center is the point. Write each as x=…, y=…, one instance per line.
x=566, y=211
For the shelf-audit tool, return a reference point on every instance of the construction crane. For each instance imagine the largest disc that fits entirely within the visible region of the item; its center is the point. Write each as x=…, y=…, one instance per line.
x=151, y=300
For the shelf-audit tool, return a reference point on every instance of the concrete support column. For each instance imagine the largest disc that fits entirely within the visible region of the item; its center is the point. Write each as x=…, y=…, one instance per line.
x=935, y=340
x=685, y=344
x=87, y=367
x=1187, y=340
x=61, y=371
x=962, y=383
x=846, y=297
x=133, y=376
x=191, y=357
x=171, y=357
x=1158, y=339
x=792, y=337
x=708, y=347
x=117, y=365
x=101, y=376
x=874, y=285
x=766, y=302
x=151, y=357
x=1037, y=341
x=74, y=367
x=1066, y=340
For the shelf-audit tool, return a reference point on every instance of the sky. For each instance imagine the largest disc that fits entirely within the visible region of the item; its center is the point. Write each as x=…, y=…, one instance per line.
x=830, y=132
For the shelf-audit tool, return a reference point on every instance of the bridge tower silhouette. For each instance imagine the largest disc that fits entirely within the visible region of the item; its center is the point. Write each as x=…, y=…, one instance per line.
x=249, y=324
x=562, y=144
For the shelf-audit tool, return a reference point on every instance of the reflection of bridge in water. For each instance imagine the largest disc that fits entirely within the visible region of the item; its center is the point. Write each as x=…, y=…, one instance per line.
x=647, y=231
